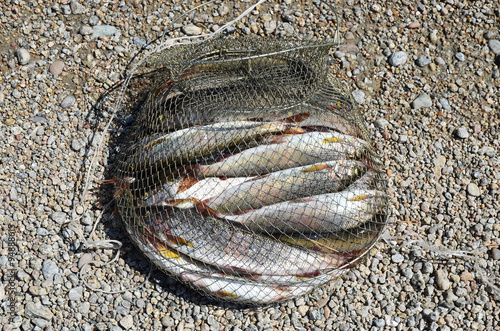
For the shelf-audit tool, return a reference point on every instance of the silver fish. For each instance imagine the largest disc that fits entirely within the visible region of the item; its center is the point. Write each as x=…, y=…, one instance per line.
x=320, y=213
x=289, y=184
x=210, y=241
x=285, y=152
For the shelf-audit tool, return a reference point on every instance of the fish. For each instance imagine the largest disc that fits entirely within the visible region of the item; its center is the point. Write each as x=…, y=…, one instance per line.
x=228, y=286
x=284, y=152
x=182, y=189
x=317, y=214
x=230, y=248
x=238, y=290
x=187, y=144
x=289, y=184
x=350, y=241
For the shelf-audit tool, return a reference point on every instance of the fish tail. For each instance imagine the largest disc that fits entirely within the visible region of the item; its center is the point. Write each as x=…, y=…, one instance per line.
x=121, y=184
x=202, y=207
x=296, y=118
x=186, y=182
x=294, y=130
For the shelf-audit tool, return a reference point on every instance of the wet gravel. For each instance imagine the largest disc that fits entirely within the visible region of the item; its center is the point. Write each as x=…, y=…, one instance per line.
x=426, y=75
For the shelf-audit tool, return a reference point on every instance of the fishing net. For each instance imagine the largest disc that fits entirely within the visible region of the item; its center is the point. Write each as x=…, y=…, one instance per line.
x=248, y=172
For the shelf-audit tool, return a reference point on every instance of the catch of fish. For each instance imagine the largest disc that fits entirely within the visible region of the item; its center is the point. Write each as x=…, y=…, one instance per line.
x=251, y=208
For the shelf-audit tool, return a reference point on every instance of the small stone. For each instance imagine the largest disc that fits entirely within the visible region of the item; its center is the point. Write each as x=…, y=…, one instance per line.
x=442, y=281
x=192, y=30
x=84, y=259
x=104, y=30
x=76, y=7
x=461, y=133
x=397, y=59
x=379, y=323
x=445, y=104
x=494, y=46
x=10, y=121
x=381, y=123
x=348, y=48
x=127, y=322
x=414, y=25
x=86, y=30
x=397, y=258
x=495, y=254
x=59, y=217
x=76, y=293
x=473, y=190
x=23, y=57
x=466, y=276
x=303, y=310
x=68, y=101
x=56, y=68
x=77, y=144
x=139, y=41
x=423, y=60
x=425, y=207
x=223, y=10
x=422, y=101
x=460, y=57
x=49, y=269
x=359, y=96
x=34, y=310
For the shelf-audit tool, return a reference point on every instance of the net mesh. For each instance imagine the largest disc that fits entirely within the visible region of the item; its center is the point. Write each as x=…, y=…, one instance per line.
x=248, y=172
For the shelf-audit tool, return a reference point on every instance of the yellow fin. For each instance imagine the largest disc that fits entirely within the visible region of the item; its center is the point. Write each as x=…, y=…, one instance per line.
x=223, y=293
x=168, y=253
x=332, y=140
x=156, y=142
x=360, y=197
x=315, y=167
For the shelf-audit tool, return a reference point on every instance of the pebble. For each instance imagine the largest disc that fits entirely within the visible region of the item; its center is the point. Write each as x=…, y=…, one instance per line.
x=76, y=293
x=49, y=269
x=192, y=30
x=84, y=259
x=460, y=57
x=359, y=96
x=23, y=57
x=397, y=59
x=473, y=190
x=442, y=281
x=76, y=7
x=34, y=310
x=381, y=123
x=68, y=101
x=422, y=101
x=494, y=46
x=462, y=133
x=414, y=25
x=348, y=48
x=56, y=68
x=59, y=217
x=397, y=258
x=78, y=144
x=86, y=30
x=444, y=103
x=127, y=322
x=423, y=60
x=495, y=254
x=104, y=30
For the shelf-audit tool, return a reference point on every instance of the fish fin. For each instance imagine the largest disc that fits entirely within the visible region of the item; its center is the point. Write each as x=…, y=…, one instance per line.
x=203, y=207
x=185, y=183
x=156, y=142
x=316, y=167
x=294, y=130
x=167, y=252
x=360, y=197
x=256, y=178
x=296, y=118
x=121, y=184
x=224, y=293
x=332, y=140
x=310, y=274
x=301, y=200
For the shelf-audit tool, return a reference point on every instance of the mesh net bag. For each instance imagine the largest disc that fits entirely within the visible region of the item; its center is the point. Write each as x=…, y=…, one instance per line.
x=248, y=172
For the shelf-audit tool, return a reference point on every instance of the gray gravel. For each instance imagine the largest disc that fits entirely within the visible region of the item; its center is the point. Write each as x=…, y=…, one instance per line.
x=442, y=159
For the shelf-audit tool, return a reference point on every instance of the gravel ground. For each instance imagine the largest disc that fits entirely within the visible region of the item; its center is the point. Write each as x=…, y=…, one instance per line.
x=426, y=75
